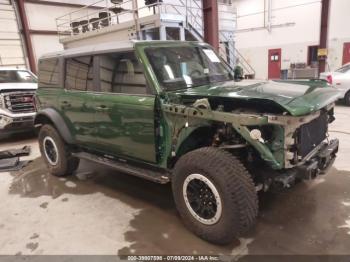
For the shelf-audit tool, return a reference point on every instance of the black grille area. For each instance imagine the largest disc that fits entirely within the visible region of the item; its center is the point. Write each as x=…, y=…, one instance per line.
x=20, y=102
x=312, y=134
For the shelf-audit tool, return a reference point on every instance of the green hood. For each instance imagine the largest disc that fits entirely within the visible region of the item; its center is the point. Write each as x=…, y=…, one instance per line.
x=295, y=98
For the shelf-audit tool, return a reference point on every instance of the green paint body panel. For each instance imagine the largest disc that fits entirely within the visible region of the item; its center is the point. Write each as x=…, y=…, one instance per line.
x=77, y=108
x=296, y=99
x=153, y=128
x=126, y=127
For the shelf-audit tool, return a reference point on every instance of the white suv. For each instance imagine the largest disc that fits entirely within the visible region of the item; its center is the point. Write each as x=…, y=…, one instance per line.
x=340, y=78
x=17, y=105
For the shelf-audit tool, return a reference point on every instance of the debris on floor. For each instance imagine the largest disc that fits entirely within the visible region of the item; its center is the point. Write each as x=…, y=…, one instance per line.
x=10, y=159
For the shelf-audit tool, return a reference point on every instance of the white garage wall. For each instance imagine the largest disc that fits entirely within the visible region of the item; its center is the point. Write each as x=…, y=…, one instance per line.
x=11, y=49
x=42, y=17
x=298, y=26
x=339, y=31
x=43, y=44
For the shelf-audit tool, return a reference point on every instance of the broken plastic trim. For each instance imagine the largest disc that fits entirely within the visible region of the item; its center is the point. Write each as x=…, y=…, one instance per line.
x=10, y=159
x=241, y=121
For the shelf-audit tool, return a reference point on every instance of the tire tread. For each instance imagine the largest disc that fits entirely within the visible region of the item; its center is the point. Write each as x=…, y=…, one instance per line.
x=237, y=182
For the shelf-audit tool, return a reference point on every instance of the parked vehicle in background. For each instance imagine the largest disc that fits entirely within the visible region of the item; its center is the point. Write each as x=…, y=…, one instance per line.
x=170, y=111
x=340, y=79
x=17, y=105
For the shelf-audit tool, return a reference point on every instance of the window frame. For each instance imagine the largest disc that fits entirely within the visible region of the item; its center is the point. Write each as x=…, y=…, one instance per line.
x=186, y=44
x=61, y=72
x=94, y=80
x=149, y=90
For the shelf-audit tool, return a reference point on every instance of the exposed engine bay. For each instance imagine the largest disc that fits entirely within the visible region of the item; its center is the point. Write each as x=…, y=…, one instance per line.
x=268, y=134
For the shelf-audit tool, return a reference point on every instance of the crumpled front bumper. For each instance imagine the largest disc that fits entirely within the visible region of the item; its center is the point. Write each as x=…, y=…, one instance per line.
x=321, y=161
x=318, y=164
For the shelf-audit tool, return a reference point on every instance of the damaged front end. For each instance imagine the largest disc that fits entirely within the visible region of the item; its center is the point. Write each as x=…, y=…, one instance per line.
x=290, y=147
x=303, y=135
x=309, y=151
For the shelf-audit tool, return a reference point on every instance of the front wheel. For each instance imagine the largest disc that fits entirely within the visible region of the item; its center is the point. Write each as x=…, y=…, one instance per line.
x=214, y=195
x=55, y=152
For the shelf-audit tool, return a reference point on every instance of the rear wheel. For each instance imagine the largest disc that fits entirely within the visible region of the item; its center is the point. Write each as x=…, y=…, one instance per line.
x=55, y=152
x=347, y=98
x=214, y=195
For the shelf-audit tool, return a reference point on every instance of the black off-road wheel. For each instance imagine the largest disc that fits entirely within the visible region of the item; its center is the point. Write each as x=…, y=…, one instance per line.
x=55, y=152
x=347, y=98
x=214, y=194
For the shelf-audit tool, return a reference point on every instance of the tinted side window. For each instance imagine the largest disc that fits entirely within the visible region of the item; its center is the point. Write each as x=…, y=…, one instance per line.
x=49, y=72
x=121, y=73
x=79, y=73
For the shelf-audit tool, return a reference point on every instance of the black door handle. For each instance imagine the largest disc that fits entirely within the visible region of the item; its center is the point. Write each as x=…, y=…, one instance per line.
x=65, y=104
x=102, y=108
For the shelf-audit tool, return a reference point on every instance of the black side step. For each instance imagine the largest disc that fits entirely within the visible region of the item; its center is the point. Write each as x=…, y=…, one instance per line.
x=158, y=176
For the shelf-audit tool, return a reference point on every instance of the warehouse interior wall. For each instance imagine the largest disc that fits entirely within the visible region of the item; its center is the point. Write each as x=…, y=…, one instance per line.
x=12, y=53
x=42, y=23
x=295, y=25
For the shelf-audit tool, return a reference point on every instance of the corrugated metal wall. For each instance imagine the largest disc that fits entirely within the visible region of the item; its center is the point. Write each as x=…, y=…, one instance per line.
x=11, y=44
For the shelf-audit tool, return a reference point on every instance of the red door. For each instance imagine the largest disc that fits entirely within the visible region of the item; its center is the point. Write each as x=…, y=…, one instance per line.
x=274, y=63
x=346, y=53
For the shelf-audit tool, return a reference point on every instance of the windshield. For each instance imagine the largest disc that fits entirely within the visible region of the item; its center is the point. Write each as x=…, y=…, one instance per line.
x=344, y=69
x=186, y=66
x=16, y=76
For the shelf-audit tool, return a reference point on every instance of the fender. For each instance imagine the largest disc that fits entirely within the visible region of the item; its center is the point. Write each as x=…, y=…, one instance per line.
x=192, y=138
x=53, y=116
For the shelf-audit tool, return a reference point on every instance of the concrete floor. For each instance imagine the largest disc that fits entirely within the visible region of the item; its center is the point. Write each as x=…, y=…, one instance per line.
x=99, y=211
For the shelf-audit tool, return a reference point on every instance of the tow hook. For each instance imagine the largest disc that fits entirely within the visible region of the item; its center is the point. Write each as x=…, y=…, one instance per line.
x=286, y=180
x=310, y=171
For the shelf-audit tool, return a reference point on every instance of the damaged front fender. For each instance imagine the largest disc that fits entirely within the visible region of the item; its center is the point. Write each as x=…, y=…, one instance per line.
x=195, y=116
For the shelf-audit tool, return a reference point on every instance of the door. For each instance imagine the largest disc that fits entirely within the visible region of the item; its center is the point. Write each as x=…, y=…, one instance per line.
x=274, y=63
x=346, y=53
x=125, y=109
x=77, y=101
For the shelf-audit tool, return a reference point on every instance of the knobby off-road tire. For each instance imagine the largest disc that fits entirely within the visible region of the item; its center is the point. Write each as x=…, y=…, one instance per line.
x=226, y=175
x=55, y=152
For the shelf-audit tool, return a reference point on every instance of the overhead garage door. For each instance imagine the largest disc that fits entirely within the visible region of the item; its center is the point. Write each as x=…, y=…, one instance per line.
x=11, y=47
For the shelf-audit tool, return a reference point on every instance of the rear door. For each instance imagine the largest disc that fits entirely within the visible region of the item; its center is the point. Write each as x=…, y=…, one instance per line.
x=125, y=108
x=274, y=63
x=77, y=101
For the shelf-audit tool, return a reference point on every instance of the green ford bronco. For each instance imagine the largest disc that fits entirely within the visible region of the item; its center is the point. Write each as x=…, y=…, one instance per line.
x=170, y=111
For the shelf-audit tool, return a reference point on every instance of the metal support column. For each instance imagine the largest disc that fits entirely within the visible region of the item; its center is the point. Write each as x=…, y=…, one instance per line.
x=211, y=22
x=26, y=34
x=182, y=34
x=231, y=55
x=324, y=33
x=162, y=32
